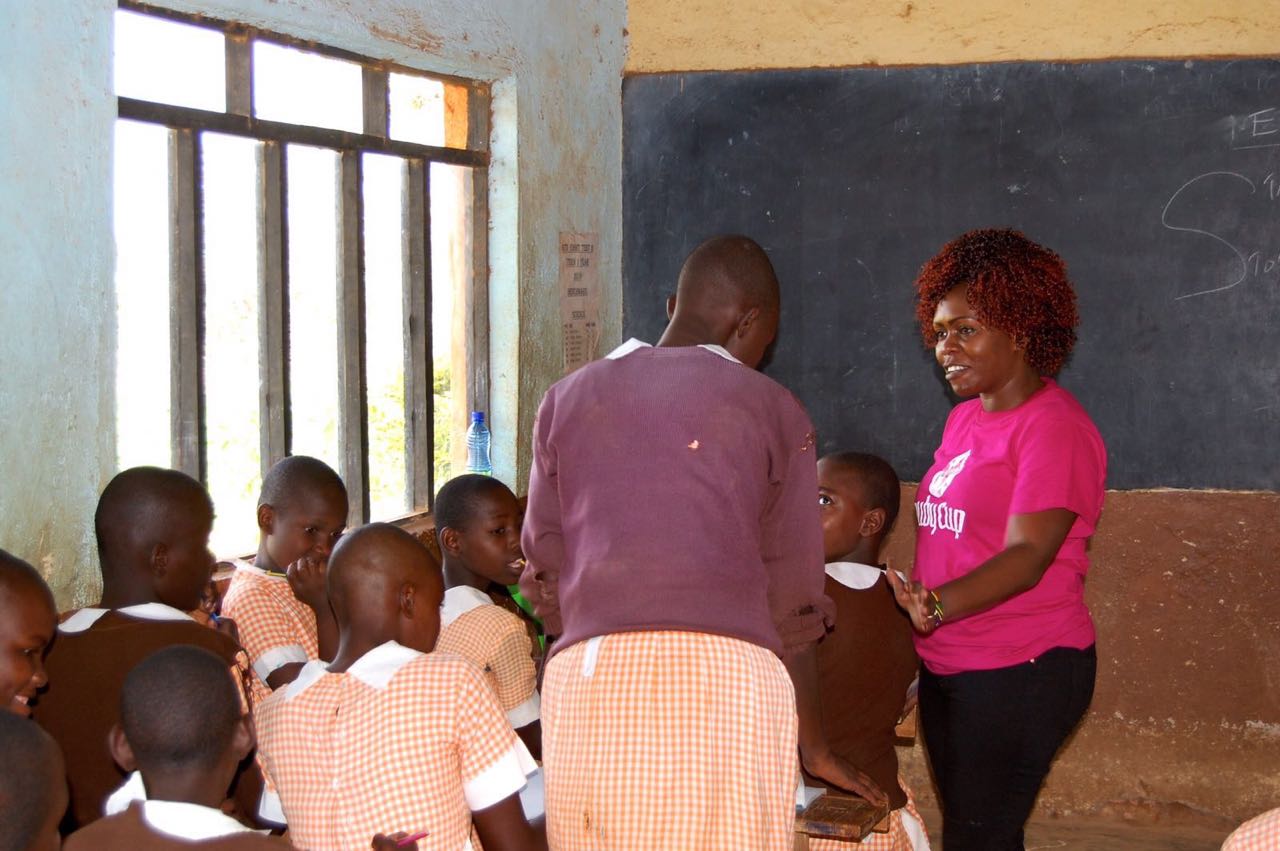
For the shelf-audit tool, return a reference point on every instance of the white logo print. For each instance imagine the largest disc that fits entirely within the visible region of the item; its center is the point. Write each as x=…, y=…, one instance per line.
x=942, y=479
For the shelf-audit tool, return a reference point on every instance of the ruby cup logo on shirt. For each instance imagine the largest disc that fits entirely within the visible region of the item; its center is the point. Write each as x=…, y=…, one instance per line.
x=943, y=478
x=938, y=515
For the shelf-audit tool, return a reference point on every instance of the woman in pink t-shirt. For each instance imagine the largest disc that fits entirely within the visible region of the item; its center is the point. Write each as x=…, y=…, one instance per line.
x=1003, y=519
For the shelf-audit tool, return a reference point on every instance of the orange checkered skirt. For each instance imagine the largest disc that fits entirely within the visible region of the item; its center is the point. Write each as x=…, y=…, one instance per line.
x=668, y=740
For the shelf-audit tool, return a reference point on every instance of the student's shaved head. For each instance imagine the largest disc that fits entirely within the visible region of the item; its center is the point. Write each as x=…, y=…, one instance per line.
x=728, y=270
x=139, y=506
x=18, y=576
x=298, y=474
x=379, y=576
x=179, y=709
x=32, y=784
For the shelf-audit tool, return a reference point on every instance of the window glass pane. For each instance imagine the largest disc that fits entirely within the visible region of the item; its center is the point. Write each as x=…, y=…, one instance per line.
x=141, y=198
x=451, y=276
x=313, y=301
x=306, y=88
x=417, y=109
x=384, y=334
x=169, y=62
x=229, y=187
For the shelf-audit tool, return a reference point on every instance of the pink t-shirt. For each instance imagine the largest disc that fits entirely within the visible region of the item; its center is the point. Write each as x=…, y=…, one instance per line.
x=1043, y=454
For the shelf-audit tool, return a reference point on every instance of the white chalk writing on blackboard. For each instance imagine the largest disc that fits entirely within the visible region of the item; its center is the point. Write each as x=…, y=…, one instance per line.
x=1259, y=129
x=1249, y=262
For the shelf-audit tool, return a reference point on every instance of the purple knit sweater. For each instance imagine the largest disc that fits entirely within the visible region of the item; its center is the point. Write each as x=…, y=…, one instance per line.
x=675, y=489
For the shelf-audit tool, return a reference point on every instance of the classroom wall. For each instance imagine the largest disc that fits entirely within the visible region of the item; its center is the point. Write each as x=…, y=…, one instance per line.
x=556, y=140
x=56, y=330
x=1185, y=723
x=697, y=35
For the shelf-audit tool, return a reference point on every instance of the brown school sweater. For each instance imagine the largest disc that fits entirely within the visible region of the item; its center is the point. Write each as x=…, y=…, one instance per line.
x=864, y=667
x=127, y=831
x=82, y=702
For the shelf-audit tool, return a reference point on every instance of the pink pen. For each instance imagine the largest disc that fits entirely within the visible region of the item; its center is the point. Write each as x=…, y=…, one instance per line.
x=412, y=838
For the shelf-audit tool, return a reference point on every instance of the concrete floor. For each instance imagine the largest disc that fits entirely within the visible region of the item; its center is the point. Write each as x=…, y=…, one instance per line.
x=1089, y=833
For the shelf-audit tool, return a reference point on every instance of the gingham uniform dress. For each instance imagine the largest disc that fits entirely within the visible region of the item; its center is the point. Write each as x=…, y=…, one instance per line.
x=1258, y=834
x=400, y=742
x=276, y=628
x=498, y=642
x=669, y=740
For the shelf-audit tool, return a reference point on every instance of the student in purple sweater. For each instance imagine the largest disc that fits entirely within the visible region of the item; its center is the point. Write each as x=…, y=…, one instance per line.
x=672, y=533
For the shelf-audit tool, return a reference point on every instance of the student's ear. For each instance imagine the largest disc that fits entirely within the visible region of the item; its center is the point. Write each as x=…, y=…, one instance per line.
x=266, y=518
x=121, y=750
x=872, y=522
x=449, y=542
x=671, y=307
x=242, y=738
x=406, y=599
x=746, y=320
x=158, y=560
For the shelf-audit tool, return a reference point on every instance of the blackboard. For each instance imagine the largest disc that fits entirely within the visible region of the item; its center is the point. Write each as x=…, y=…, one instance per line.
x=1158, y=182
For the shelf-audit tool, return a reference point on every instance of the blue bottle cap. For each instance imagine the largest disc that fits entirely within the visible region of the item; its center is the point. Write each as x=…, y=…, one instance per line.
x=477, y=416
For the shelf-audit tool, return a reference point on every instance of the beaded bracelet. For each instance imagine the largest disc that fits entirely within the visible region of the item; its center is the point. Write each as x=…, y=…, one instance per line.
x=937, y=608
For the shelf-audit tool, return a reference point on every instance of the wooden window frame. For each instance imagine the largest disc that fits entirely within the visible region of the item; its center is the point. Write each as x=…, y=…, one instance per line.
x=187, y=392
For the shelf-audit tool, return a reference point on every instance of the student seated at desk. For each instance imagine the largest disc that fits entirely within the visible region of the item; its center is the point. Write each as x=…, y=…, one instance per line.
x=152, y=527
x=33, y=789
x=28, y=620
x=184, y=731
x=866, y=664
x=390, y=736
x=278, y=602
x=478, y=523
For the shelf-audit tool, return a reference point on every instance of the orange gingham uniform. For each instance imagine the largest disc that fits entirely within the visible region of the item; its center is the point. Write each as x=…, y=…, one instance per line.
x=899, y=838
x=498, y=642
x=276, y=628
x=669, y=740
x=1261, y=833
x=402, y=741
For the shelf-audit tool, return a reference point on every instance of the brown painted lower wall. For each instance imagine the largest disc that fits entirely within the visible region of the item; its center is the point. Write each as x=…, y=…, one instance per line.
x=1185, y=722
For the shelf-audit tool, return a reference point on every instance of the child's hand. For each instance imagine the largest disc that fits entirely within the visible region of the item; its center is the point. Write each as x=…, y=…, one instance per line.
x=913, y=597
x=833, y=770
x=306, y=578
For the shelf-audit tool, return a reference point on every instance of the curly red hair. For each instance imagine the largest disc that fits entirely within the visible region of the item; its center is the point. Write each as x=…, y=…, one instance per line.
x=1015, y=285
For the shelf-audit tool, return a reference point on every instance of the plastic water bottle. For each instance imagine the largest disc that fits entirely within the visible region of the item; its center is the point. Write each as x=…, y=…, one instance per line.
x=478, y=445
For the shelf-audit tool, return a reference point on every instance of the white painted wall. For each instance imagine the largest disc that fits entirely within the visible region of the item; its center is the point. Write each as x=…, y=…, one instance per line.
x=557, y=67
x=57, y=326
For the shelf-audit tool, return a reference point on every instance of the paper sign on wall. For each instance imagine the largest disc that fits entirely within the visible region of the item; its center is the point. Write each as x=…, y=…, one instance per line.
x=579, y=298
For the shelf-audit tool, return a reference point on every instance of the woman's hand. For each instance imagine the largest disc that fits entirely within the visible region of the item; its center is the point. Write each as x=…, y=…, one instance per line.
x=913, y=597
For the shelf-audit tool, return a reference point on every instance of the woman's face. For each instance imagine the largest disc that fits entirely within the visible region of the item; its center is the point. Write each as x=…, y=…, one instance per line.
x=975, y=358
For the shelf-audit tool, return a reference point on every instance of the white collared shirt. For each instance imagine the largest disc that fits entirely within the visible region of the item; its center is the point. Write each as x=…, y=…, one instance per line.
x=174, y=818
x=87, y=617
x=853, y=575
x=633, y=344
x=459, y=600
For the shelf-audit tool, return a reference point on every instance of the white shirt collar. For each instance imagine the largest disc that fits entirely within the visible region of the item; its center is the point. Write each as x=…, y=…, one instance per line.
x=190, y=821
x=85, y=618
x=459, y=600
x=173, y=818
x=374, y=669
x=633, y=344
x=853, y=575
x=249, y=567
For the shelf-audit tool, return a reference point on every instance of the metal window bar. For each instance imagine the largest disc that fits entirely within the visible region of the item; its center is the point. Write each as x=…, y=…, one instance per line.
x=189, y=452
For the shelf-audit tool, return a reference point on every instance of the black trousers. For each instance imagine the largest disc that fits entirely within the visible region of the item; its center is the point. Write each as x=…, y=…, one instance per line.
x=991, y=737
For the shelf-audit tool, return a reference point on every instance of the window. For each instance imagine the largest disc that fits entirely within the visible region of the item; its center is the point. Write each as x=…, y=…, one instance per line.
x=299, y=268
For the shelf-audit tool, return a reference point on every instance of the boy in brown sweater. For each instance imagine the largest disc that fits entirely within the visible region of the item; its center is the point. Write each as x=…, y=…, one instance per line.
x=866, y=664
x=183, y=728
x=152, y=527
